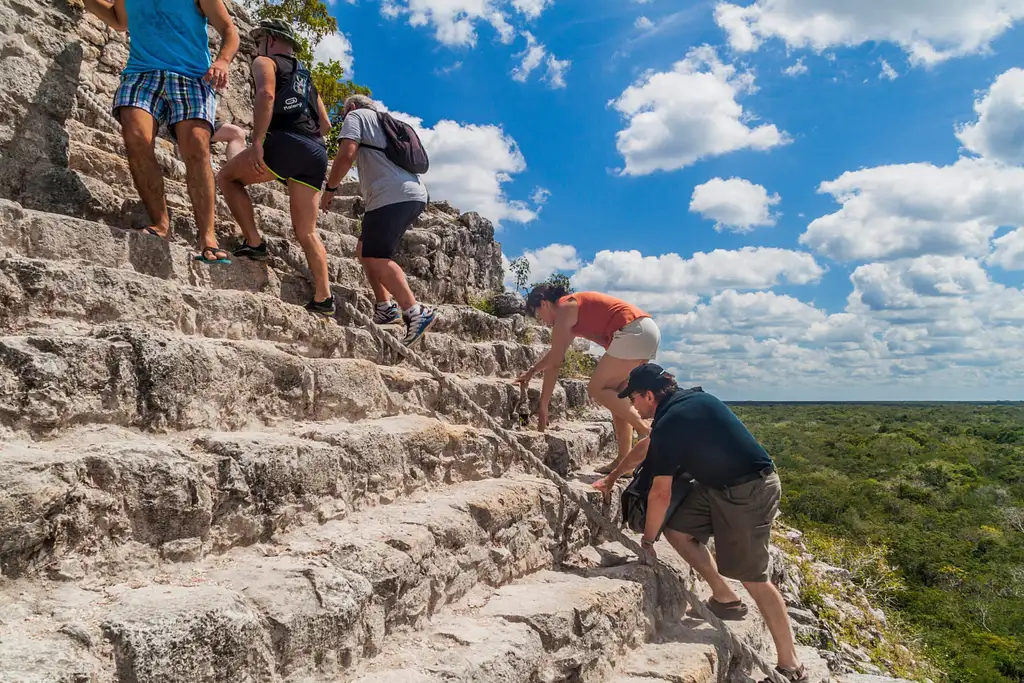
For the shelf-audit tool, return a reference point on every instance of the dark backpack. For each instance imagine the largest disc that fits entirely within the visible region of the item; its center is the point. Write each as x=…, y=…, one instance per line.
x=634, y=500
x=403, y=148
x=294, y=94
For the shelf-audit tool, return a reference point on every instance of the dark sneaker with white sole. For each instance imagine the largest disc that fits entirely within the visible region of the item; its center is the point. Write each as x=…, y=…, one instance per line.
x=387, y=315
x=417, y=324
x=325, y=307
x=257, y=253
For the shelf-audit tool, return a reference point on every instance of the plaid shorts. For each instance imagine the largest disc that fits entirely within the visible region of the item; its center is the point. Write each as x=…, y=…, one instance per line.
x=171, y=98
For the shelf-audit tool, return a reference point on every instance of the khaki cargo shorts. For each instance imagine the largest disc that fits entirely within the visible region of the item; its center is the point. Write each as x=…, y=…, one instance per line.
x=638, y=340
x=740, y=519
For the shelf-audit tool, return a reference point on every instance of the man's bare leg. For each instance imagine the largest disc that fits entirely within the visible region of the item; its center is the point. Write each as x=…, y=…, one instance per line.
x=773, y=608
x=194, y=142
x=392, y=279
x=699, y=557
x=138, y=128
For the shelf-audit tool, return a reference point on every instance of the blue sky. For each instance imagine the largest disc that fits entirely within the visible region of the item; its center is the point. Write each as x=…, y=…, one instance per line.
x=690, y=157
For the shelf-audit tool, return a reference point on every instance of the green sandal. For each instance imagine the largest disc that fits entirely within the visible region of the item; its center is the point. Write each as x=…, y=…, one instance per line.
x=215, y=251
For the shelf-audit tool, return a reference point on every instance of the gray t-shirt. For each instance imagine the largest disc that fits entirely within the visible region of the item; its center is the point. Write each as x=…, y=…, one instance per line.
x=380, y=182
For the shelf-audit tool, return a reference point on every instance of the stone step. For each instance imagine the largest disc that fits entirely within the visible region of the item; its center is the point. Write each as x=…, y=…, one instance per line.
x=682, y=634
x=34, y=234
x=416, y=392
x=66, y=505
x=317, y=603
x=52, y=237
x=134, y=377
x=38, y=296
x=550, y=626
x=690, y=653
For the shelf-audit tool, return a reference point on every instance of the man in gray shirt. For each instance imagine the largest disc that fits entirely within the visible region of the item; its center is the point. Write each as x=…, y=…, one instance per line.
x=394, y=198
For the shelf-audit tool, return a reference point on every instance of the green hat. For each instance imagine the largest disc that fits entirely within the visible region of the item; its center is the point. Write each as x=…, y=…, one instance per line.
x=279, y=28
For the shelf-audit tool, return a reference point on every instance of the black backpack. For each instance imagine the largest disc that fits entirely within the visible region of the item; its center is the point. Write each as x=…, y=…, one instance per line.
x=294, y=94
x=403, y=148
x=633, y=500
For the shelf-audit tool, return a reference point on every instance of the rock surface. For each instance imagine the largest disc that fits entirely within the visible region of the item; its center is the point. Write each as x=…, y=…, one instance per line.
x=508, y=304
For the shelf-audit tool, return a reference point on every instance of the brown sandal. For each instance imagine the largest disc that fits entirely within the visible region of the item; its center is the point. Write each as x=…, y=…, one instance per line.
x=732, y=611
x=797, y=675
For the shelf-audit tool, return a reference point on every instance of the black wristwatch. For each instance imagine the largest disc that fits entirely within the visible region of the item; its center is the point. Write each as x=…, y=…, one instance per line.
x=331, y=189
x=644, y=543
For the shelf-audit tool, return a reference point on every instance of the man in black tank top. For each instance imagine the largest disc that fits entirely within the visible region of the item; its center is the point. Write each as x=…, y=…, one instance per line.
x=290, y=123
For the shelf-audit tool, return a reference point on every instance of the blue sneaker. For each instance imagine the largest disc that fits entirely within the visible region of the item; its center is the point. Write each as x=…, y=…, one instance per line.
x=417, y=324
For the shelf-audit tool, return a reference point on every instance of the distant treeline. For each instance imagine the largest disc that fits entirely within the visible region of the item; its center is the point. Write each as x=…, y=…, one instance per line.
x=940, y=487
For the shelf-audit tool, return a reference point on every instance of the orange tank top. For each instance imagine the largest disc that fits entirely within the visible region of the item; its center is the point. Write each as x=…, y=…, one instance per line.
x=601, y=316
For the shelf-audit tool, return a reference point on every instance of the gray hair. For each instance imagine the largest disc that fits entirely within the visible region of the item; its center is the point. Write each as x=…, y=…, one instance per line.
x=359, y=102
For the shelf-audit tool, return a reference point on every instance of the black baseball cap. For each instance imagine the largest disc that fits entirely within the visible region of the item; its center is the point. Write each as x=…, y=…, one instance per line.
x=646, y=377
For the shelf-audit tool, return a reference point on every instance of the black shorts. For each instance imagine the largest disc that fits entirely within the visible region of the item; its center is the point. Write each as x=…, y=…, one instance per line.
x=383, y=228
x=291, y=156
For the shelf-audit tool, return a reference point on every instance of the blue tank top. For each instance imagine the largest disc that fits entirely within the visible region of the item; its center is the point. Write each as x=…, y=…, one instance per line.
x=167, y=35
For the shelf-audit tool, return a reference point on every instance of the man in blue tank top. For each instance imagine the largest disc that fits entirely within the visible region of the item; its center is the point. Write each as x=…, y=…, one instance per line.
x=170, y=79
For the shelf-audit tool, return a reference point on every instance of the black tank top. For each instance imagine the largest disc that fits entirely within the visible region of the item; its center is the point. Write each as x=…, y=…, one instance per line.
x=306, y=123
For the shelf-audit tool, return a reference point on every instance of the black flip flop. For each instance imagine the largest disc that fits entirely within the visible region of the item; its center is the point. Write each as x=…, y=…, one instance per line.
x=150, y=231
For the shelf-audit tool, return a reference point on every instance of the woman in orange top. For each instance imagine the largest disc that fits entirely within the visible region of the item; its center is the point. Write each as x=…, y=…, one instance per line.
x=629, y=336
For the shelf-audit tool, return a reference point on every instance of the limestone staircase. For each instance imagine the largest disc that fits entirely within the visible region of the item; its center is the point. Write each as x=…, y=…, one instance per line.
x=200, y=482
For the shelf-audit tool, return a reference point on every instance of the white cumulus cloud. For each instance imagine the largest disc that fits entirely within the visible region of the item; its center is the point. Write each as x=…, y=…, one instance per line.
x=335, y=46
x=678, y=117
x=455, y=22
x=908, y=210
x=643, y=23
x=669, y=281
x=555, y=75
x=734, y=204
x=797, y=68
x=888, y=73
x=999, y=131
x=535, y=54
x=531, y=9
x=929, y=31
x=544, y=262
x=1008, y=253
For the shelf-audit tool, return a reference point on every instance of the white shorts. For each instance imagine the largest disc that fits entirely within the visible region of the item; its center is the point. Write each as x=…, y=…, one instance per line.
x=636, y=341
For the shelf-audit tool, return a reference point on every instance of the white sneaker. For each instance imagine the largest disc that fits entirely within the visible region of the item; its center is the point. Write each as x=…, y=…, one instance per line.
x=418, y=324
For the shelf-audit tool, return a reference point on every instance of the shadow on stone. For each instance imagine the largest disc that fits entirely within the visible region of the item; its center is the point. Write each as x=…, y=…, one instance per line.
x=34, y=165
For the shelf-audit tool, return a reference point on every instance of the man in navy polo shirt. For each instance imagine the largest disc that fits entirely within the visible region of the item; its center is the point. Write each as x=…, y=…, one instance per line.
x=734, y=499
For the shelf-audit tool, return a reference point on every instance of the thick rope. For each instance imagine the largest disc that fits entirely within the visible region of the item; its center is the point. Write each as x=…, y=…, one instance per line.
x=528, y=457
